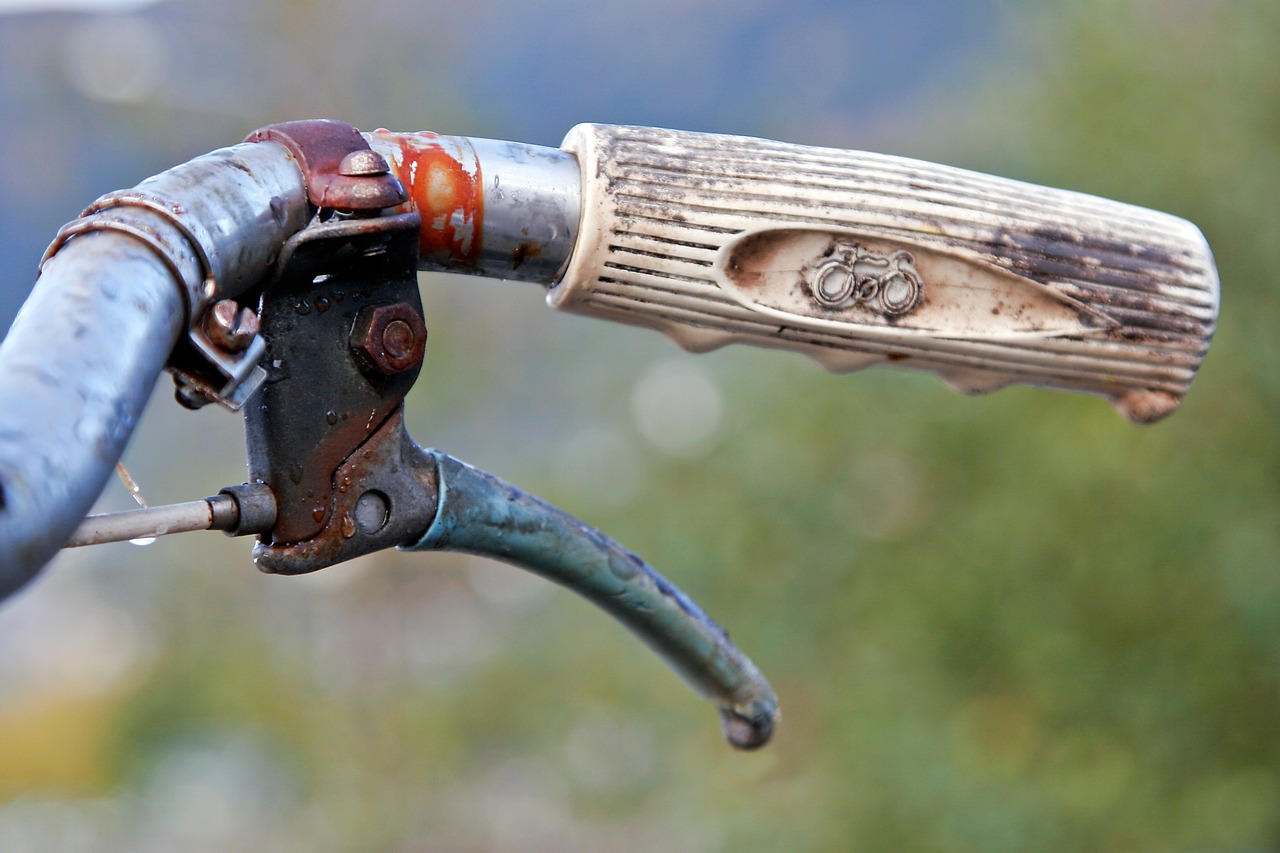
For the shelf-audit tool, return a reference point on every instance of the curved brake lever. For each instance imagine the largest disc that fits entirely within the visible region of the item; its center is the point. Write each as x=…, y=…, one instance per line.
x=473, y=512
x=480, y=514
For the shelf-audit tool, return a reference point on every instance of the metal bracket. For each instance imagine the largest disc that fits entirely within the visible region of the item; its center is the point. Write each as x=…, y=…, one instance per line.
x=218, y=360
x=206, y=366
x=345, y=340
x=342, y=171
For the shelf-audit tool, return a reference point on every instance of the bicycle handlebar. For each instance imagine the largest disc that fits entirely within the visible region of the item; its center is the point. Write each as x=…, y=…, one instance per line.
x=847, y=257
x=71, y=389
x=850, y=258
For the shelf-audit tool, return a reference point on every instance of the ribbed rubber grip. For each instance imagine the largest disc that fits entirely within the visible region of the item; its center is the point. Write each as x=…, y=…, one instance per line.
x=855, y=258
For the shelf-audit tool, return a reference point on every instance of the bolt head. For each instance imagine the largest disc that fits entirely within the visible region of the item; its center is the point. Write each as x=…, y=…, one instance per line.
x=363, y=164
x=388, y=339
x=230, y=327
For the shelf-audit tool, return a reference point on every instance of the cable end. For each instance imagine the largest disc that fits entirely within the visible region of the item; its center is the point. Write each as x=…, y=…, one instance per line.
x=747, y=733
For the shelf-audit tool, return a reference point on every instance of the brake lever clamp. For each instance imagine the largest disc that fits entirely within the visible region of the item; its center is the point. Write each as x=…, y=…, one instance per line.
x=345, y=337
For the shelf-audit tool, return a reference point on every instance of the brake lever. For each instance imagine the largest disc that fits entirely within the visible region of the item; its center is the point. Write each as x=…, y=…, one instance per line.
x=334, y=475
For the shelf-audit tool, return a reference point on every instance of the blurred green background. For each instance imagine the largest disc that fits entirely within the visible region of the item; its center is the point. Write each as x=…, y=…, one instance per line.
x=1001, y=623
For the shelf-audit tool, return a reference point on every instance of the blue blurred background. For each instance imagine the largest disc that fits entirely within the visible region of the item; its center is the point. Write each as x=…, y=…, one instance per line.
x=1001, y=623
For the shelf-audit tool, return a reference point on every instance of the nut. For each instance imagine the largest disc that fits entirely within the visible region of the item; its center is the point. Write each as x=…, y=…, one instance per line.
x=388, y=339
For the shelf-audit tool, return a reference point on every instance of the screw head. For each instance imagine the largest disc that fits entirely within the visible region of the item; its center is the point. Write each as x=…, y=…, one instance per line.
x=398, y=340
x=230, y=327
x=388, y=339
x=363, y=164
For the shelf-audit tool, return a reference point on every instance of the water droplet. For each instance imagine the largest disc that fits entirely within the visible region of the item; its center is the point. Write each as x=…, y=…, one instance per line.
x=131, y=485
x=303, y=308
x=322, y=304
x=348, y=526
x=142, y=543
x=331, y=417
x=318, y=513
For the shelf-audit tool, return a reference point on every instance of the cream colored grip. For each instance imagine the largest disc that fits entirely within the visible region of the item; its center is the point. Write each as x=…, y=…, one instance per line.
x=855, y=258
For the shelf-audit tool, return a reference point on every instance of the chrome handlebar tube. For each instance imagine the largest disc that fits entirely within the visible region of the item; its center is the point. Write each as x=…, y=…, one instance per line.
x=116, y=291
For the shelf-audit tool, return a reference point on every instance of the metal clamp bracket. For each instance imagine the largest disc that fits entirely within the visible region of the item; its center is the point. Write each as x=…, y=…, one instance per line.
x=345, y=341
x=342, y=171
x=219, y=360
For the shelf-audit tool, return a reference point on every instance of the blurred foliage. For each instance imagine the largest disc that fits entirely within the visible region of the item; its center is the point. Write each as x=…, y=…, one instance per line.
x=1001, y=623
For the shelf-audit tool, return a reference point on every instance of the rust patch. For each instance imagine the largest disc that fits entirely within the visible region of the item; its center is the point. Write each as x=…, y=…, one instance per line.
x=526, y=251
x=389, y=339
x=448, y=192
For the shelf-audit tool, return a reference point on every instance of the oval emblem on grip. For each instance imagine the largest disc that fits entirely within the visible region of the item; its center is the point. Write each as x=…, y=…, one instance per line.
x=865, y=282
x=855, y=275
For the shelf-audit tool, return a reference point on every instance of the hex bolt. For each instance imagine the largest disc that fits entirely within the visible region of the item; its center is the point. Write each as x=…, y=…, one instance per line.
x=388, y=339
x=363, y=164
x=230, y=327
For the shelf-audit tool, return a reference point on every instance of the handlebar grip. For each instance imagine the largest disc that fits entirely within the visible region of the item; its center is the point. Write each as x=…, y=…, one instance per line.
x=855, y=258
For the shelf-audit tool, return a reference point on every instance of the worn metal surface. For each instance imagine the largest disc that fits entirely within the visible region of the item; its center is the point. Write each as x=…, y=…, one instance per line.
x=338, y=176
x=254, y=510
x=716, y=239
x=389, y=339
x=383, y=495
x=226, y=213
x=235, y=206
x=480, y=514
x=492, y=208
x=83, y=355
x=76, y=370
x=229, y=326
x=320, y=403
x=238, y=510
x=532, y=198
x=445, y=186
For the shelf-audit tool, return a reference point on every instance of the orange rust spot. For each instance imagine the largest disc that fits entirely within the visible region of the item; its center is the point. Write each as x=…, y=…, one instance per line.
x=447, y=191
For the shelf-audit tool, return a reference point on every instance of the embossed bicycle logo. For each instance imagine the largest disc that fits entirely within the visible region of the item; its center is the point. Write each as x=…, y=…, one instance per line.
x=855, y=276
